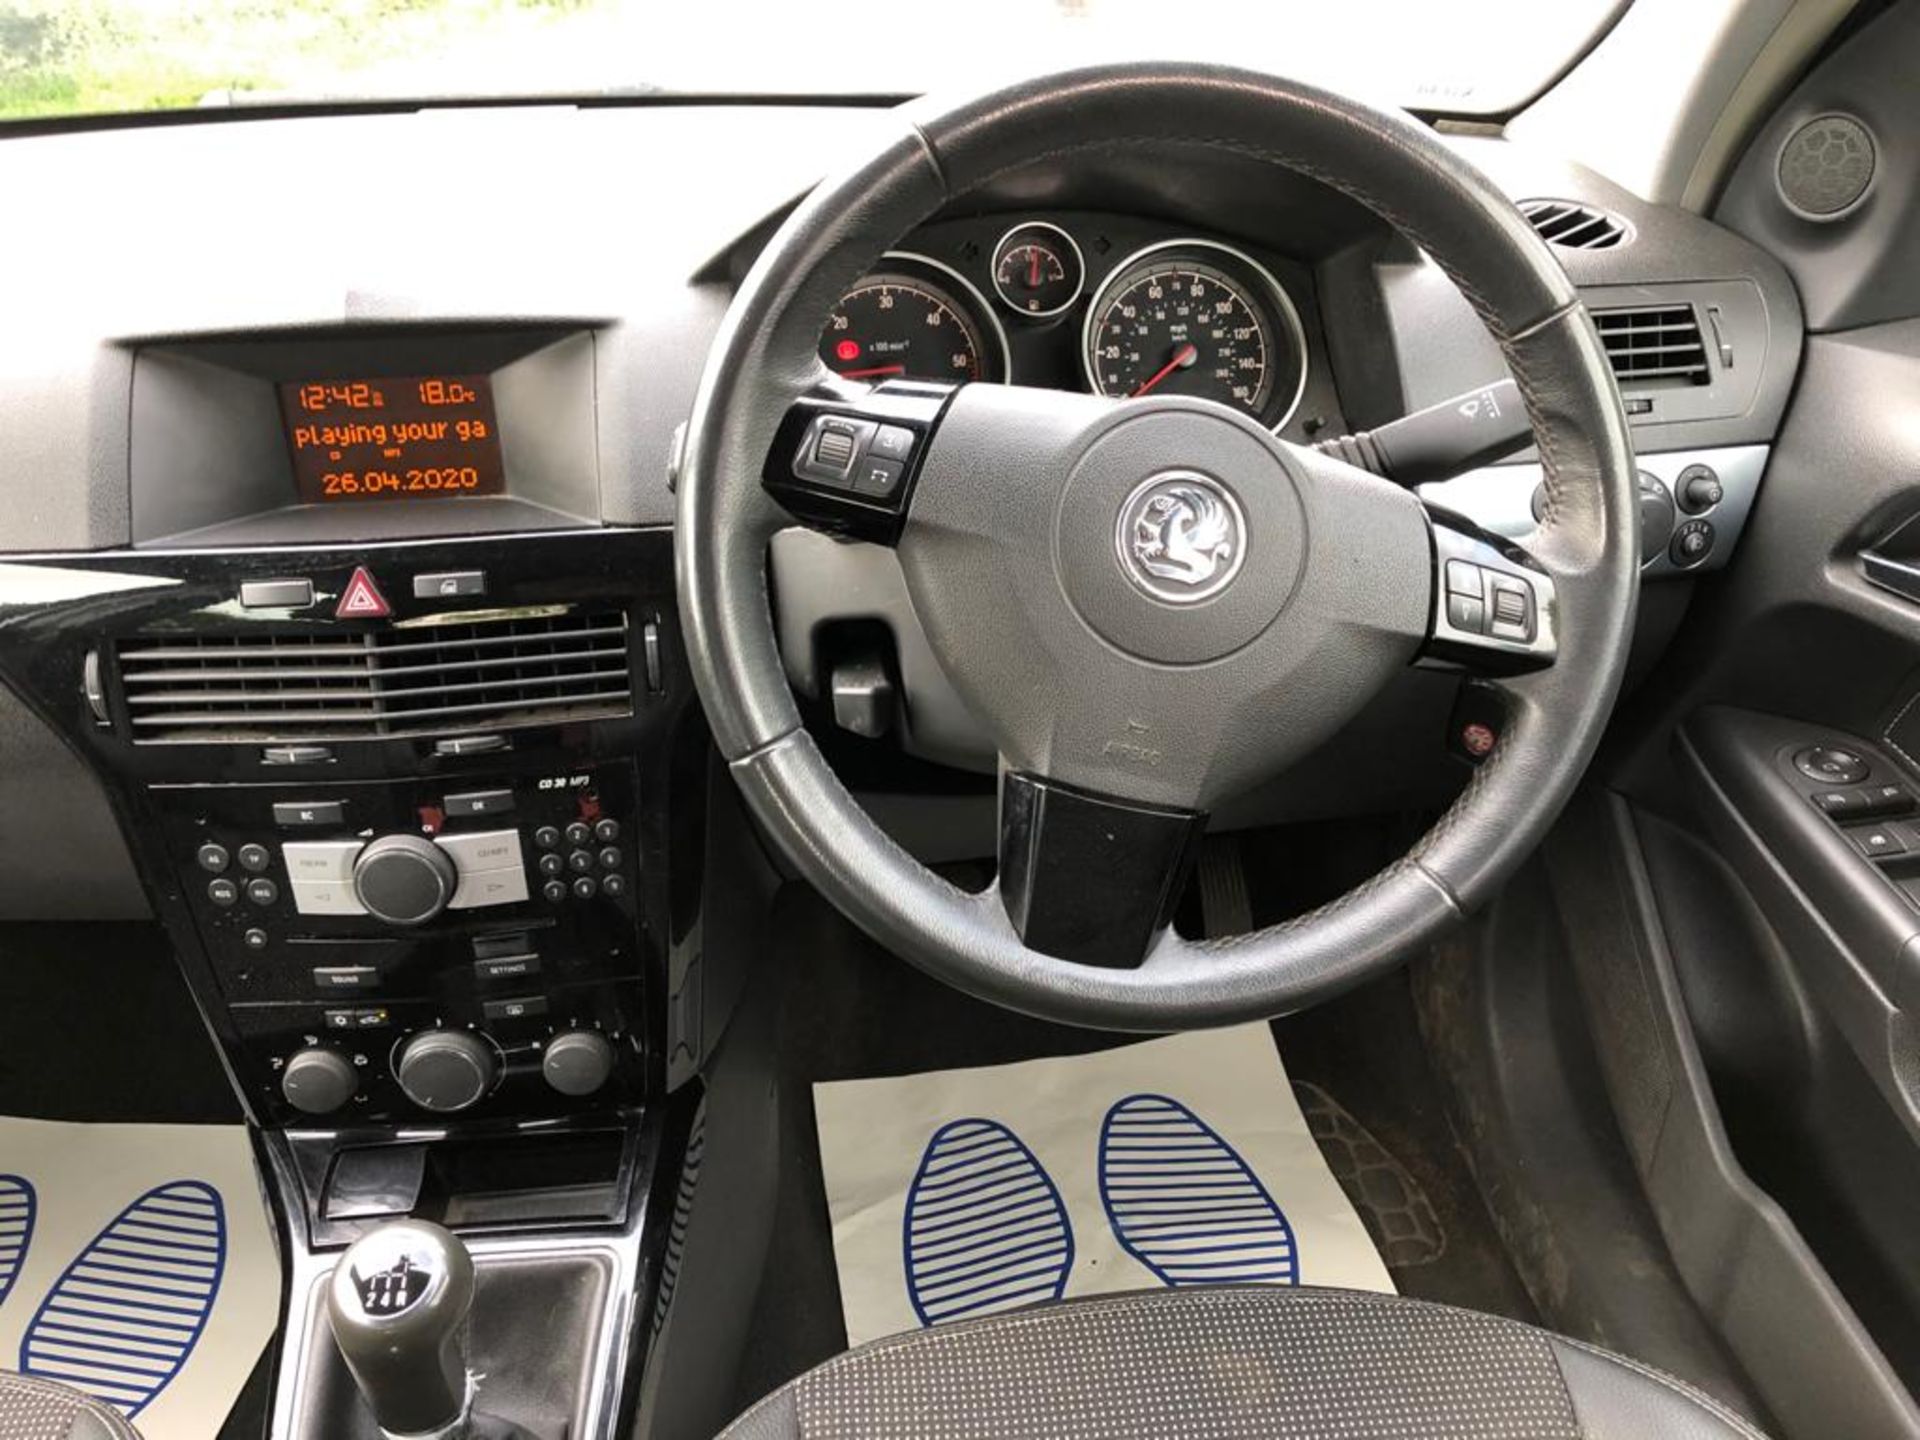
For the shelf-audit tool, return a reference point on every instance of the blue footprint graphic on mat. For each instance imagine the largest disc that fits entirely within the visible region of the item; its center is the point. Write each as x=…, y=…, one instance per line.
x=985, y=1228
x=1184, y=1203
x=17, y=1210
x=122, y=1319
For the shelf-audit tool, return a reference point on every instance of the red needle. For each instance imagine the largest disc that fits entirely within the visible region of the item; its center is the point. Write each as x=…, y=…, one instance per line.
x=869, y=373
x=1184, y=355
x=1033, y=269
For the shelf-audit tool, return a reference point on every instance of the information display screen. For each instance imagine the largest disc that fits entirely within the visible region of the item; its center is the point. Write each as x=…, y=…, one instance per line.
x=393, y=438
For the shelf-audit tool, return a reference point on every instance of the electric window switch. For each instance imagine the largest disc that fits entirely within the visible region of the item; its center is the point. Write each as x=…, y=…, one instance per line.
x=1877, y=841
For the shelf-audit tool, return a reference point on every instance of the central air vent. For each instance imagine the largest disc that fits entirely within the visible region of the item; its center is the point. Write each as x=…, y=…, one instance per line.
x=483, y=674
x=1649, y=344
x=1573, y=226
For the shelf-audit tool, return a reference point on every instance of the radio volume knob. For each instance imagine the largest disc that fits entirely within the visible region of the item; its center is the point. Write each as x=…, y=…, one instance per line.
x=447, y=1070
x=318, y=1081
x=404, y=879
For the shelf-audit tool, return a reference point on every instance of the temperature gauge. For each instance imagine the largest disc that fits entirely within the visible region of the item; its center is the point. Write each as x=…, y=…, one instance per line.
x=1037, y=269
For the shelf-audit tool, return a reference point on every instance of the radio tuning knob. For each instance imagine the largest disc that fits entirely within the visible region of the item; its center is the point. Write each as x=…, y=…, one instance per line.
x=578, y=1062
x=404, y=879
x=447, y=1070
x=318, y=1081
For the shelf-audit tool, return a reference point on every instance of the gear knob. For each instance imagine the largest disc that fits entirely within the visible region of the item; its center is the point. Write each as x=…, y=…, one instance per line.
x=398, y=1305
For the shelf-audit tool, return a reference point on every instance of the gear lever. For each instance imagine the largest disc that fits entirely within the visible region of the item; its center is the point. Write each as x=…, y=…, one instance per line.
x=398, y=1305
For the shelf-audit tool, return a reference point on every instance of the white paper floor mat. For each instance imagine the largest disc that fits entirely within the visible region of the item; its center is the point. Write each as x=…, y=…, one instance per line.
x=136, y=1263
x=1182, y=1161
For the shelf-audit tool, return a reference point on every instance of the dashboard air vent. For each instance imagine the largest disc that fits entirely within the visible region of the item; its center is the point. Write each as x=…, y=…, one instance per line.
x=1654, y=343
x=523, y=668
x=1575, y=227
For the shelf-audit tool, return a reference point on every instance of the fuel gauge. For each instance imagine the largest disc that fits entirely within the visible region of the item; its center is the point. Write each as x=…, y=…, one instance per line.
x=1037, y=269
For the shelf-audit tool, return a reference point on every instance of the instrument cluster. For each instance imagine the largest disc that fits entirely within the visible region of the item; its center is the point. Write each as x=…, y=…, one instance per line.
x=1083, y=302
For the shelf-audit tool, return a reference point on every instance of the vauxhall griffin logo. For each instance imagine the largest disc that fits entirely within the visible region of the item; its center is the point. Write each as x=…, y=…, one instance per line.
x=1181, y=537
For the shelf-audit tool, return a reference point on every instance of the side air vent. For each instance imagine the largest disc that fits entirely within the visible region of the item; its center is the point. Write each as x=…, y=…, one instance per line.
x=1575, y=227
x=526, y=668
x=1654, y=344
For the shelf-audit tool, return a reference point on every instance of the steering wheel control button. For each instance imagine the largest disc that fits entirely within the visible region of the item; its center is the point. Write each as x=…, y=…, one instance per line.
x=478, y=803
x=212, y=858
x=879, y=477
x=309, y=814
x=1877, y=841
x=1511, y=612
x=1697, y=489
x=223, y=893
x=892, y=442
x=1692, y=544
x=833, y=445
x=1467, y=612
x=1831, y=765
x=1465, y=578
x=254, y=858
x=450, y=585
x=276, y=594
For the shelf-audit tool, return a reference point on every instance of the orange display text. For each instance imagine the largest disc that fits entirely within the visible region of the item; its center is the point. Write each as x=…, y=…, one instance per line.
x=393, y=438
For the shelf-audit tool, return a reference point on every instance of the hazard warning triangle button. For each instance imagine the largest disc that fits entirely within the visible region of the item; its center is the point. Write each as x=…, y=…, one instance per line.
x=361, y=600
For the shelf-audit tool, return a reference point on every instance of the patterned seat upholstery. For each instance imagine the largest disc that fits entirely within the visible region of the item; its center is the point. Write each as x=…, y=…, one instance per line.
x=1237, y=1363
x=35, y=1409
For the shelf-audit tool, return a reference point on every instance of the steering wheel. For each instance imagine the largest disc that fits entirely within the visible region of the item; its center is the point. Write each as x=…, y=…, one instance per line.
x=1151, y=603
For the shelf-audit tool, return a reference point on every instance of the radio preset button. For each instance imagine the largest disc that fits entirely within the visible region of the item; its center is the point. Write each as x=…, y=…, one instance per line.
x=254, y=858
x=554, y=891
x=212, y=857
x=585, y=888
x=551, y=865
x=610, y=857
x=222, y=892
x=578, y=833
x=614, y=886
x=581, y=861
x=606, y=831
x=546, y=837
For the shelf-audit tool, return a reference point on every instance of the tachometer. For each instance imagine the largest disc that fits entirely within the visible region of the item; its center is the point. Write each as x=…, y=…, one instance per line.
x=909, y=321
x=1193, y=317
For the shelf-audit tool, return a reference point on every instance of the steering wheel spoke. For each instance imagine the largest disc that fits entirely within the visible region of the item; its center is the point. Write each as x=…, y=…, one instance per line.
x=1091, y=878
x=846, y=456
x=1495, y=605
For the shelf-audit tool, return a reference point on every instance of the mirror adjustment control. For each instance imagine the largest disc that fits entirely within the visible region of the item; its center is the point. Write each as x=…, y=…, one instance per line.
x=1698, y=489
x=1831, y=765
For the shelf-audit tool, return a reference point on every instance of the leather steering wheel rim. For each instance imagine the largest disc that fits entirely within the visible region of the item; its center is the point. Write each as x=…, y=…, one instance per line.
x=764, y=359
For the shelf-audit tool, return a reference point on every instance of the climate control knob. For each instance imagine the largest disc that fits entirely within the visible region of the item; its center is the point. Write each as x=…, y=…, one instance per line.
x=578, y=1062
x=447, y=1070
x=404, y=879
x=318, y=1081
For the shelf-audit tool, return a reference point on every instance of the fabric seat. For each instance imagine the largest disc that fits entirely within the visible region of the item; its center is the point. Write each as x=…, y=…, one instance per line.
x=35, y=1409
x=1234, y=1362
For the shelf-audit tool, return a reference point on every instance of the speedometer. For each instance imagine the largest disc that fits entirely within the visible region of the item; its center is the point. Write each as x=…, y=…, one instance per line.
x=914, y=319
x=1194, y=317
